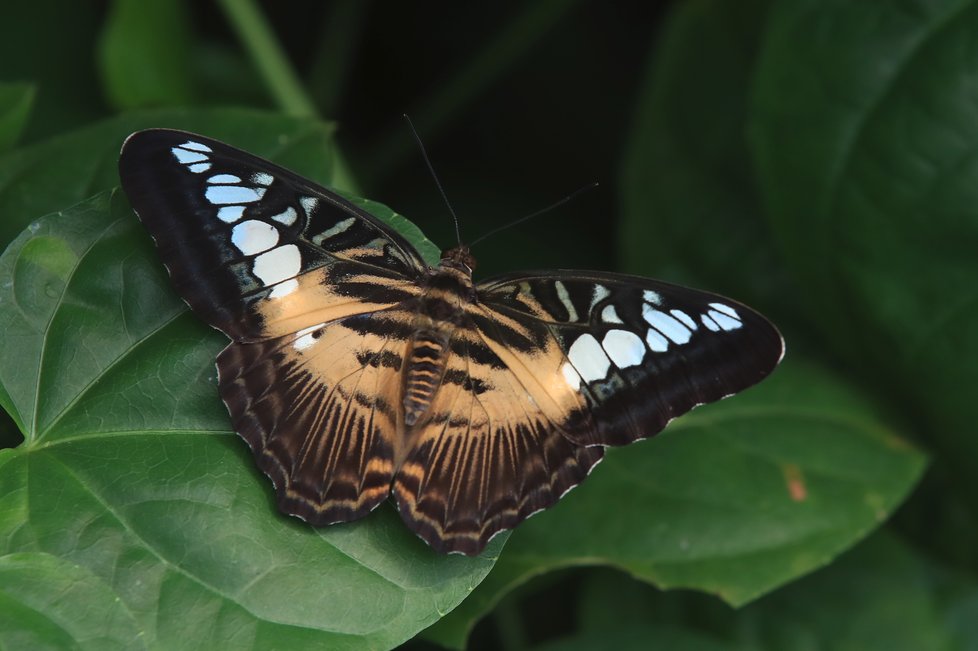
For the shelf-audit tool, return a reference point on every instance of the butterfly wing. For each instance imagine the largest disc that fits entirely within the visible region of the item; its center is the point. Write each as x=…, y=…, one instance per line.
x=320, y=409
x=636, y=352
x=552, y=367
x=308, y=287
x=487, y=458
x=256, y=250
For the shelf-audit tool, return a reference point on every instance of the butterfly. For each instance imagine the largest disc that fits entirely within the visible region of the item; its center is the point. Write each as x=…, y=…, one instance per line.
x=357, y=372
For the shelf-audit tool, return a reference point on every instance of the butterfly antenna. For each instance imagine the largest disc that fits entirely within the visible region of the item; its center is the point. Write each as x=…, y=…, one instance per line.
x=424, y=154
x=589, y=186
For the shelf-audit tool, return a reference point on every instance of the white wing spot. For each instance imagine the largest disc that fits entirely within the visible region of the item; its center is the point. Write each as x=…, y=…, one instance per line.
x=287, y=217
x=565, y=299
x=589, y=359
x=252, y=236
x=196, y=146
x=652, y=297
x=224, y=179
x=230, y=214
x=666, y=324
x=309, y=204
x=262, y=178
x=188, y=157
x=571, y=377
x=724, y=321
x=227, y=194
x=284, y=288
x=278, y=264
x=335, y=229
x=610, y=315
x=726, y=309
x=306, y=337
x=656, y=342
x=600, y=293
x=685, y=318
x=624, y=348
x=708, y=321
x=198, y=168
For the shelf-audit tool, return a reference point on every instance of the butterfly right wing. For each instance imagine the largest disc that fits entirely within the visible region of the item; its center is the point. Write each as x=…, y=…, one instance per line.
x=256, y=250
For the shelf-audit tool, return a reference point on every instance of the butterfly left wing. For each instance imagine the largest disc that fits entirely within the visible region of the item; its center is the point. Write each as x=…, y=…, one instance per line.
x=310, y=288
x=547, y=370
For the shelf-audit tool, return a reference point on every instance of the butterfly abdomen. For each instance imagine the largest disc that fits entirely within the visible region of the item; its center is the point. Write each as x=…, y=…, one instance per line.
x=440, y=311
x=423, y=373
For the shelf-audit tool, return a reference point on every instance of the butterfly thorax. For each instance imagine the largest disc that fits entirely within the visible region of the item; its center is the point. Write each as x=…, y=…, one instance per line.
x=441, y=310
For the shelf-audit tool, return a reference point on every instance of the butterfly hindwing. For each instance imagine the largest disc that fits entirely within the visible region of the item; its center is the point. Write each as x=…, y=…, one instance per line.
x=256, y=250
x=320, y=410
x=487, y=458
x=635, y=352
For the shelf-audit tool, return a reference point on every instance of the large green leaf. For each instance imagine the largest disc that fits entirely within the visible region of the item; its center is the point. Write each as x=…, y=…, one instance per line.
x=881, y=596
x=735, y=499
x=129, y=471
x=63, y=170
x=865, y=137
x=49, y=603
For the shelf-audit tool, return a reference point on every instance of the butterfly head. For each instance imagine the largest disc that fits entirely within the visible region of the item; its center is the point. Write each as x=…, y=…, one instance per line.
x=459, y=258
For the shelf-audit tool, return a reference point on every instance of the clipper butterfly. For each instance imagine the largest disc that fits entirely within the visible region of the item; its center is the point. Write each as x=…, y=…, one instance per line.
x=356, y=371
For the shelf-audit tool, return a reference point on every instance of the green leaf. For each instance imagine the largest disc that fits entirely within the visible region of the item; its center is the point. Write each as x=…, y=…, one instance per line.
x=16, y=101
x=49, y=603
x=144, y=54
x=882, y=595
x=129, y=469
x=64, y=170
x=734, y=499
x=690, y=210
x=864, y=135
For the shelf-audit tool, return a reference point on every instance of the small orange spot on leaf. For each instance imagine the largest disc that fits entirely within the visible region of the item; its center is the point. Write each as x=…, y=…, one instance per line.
x=795, y=482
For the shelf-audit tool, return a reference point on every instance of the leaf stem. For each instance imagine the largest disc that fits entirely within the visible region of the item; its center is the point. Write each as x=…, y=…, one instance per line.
x=265, y=51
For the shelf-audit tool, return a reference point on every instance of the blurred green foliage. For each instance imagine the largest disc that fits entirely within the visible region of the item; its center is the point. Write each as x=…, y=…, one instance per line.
x=813, y=158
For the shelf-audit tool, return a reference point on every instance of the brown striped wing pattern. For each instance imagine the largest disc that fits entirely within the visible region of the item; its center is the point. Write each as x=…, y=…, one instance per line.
x=490, y=455
x=319, y=409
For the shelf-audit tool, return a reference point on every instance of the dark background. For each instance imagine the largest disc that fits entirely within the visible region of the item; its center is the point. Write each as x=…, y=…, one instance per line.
x=521, y=104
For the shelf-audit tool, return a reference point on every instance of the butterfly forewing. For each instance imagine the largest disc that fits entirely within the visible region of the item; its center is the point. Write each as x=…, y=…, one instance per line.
x=256, y=250
x=515, y=386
